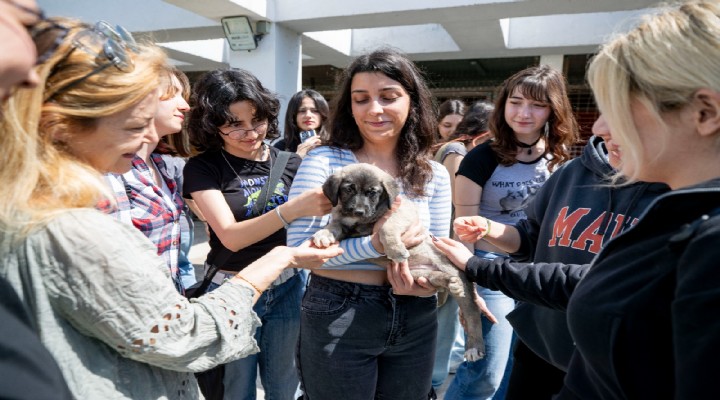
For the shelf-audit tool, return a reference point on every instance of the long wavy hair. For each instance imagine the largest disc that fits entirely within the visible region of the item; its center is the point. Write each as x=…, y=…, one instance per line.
x=291, y=133
x=215, y=92
x=547, y=85
x=417, y=135
x=40, y=177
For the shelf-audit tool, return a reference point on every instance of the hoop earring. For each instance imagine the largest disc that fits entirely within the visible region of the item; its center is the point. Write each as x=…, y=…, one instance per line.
x=547, y=128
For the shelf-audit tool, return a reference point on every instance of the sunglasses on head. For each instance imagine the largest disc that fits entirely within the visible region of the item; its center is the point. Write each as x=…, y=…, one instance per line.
x=110, y=45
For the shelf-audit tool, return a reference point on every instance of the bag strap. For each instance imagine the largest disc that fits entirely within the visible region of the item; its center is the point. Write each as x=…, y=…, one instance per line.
x=271, y=184
x=213, y=269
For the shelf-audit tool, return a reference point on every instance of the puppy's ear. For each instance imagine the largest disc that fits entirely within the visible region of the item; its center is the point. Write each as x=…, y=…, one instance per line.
x=331, y=188
x=392, y=190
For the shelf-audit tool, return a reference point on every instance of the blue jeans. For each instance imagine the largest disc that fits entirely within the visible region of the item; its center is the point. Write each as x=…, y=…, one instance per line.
x=450, y=341
x=187, y=269
x=279, y=310
x=362, y=342
x=487, y=378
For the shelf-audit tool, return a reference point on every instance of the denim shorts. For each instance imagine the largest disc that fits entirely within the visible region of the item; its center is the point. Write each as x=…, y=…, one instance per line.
x=362, y=342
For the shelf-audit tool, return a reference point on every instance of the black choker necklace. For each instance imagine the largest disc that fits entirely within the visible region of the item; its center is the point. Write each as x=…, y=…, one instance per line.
x=529, y=146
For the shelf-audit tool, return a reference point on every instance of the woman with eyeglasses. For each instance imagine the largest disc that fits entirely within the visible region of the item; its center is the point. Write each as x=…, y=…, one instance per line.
x=304, y=122
x=102, y=299
x=233, y=116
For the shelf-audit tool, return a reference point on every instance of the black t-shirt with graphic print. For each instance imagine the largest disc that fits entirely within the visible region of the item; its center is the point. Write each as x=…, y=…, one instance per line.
x=210, y=171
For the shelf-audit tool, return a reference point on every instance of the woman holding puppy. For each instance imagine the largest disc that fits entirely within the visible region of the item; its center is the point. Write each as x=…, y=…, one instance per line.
x=357, y=330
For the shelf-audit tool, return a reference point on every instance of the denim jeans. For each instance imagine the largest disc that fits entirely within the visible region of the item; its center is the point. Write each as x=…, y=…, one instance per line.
x=362, y=342
x=187, y=269
x=487, y=378
x=279, y=310
x=450, y=347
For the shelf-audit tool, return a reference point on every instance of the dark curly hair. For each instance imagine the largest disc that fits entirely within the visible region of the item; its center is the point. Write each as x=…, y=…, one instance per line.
x=292, y=131
x=417, y=135
x=212, y=96
x=545, y=84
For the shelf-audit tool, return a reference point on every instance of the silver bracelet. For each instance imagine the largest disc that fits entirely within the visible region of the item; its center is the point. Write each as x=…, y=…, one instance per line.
x=285, y=223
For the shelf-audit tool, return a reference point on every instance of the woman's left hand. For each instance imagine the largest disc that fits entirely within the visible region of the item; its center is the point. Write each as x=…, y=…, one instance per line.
x=403, y=282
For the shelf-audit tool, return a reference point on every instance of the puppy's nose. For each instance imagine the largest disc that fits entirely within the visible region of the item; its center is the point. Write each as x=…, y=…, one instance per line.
x=359, y=212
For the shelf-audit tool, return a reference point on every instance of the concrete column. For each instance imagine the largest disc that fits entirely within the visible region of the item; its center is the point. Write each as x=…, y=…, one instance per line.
x=553, y=60
x=276, y=63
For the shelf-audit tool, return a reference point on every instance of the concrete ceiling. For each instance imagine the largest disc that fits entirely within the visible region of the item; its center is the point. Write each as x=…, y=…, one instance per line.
x=333, y=31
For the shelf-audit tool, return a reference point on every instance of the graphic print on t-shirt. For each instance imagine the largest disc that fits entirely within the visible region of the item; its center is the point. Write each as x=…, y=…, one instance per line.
x=277, y=198
x=517, y=199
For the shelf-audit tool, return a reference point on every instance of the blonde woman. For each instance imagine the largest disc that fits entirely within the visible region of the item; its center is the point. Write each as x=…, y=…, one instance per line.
x=642, y=316
x=103, y=300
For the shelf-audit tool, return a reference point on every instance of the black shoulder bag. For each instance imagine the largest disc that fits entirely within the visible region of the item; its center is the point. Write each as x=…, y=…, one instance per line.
x=211, y=381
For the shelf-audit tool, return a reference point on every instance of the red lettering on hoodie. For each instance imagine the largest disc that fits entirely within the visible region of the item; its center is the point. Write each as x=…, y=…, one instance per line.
x=564, y=225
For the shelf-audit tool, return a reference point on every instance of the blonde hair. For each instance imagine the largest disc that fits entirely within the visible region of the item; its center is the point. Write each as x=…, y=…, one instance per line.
x=660, y=63
x=39, y=176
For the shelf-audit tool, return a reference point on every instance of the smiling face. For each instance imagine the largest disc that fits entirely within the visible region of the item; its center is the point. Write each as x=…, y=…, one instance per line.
x=17, y=49
x=171, y=112
x=600, y=128
x=380, y=107
x=111, y=145
x=526, y=116
x=308, y=117
x=448, y=124
x=249, y=144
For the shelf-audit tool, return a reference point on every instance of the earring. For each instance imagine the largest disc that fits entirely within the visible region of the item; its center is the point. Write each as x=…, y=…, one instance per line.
x=547, y=128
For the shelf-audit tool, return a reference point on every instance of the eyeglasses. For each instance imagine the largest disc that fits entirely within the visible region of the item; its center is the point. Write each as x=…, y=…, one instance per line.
x=110, y=45
x=38, y=30
x=240, y=132
x=304, y=110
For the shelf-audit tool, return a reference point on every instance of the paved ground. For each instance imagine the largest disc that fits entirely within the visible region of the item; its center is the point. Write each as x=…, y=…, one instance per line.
x=197, y=257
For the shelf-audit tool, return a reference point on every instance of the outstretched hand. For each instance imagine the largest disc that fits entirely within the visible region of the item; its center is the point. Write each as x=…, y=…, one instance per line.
x=454, y=250
x=470, y=229
x=308, y=256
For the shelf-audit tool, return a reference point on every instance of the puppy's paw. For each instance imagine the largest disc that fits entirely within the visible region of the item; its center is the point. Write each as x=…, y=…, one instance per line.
x=474, y=355
x=323, y=238
x=456, y=287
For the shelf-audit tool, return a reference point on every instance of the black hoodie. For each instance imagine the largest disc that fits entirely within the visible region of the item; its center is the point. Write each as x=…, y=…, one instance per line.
x=571, y=218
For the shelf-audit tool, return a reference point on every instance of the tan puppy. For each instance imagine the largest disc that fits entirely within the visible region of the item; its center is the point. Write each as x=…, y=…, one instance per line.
x=361, y=194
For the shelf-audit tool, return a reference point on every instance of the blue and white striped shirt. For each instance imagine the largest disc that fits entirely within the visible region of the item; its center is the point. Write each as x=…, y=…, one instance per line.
x=323, y=161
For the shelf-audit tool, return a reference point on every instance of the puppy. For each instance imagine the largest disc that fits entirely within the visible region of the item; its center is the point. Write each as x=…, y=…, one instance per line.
x=361, y=194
